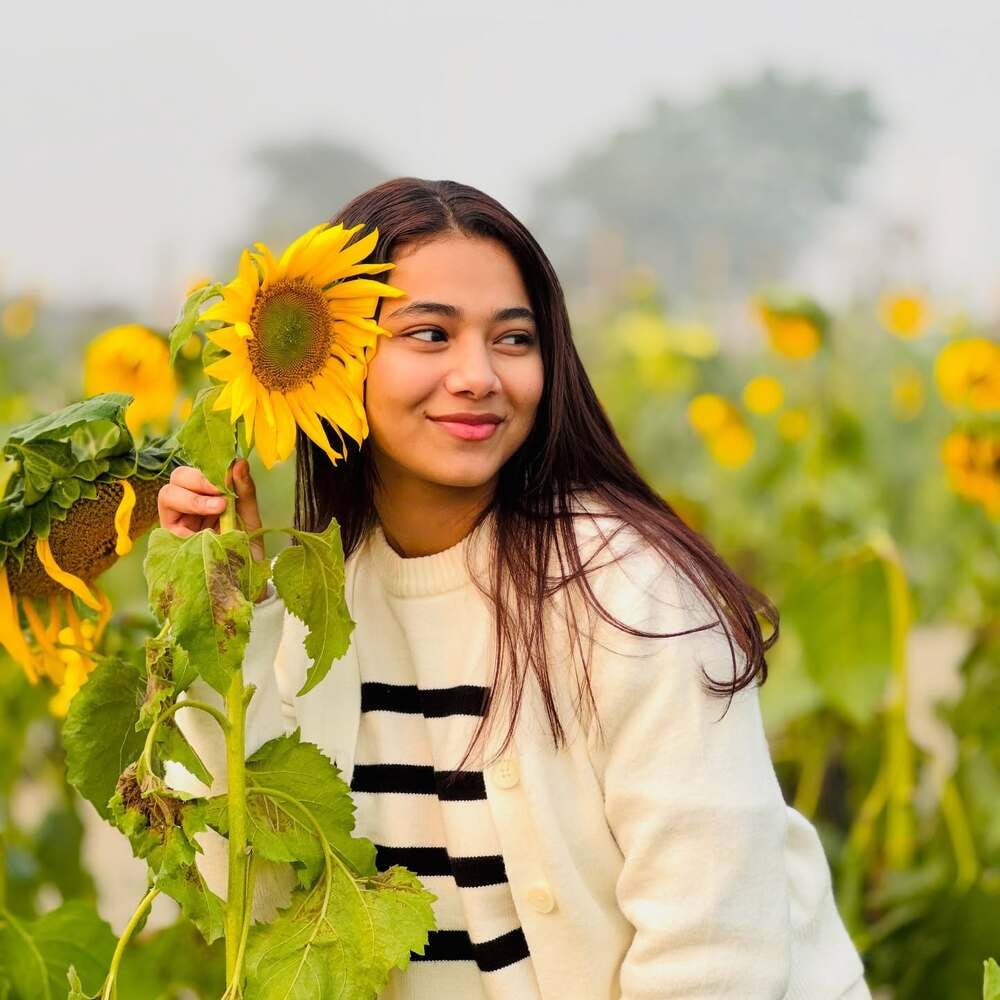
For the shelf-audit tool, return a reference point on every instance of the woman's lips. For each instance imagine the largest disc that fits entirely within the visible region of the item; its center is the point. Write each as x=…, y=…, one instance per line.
x=466, y=431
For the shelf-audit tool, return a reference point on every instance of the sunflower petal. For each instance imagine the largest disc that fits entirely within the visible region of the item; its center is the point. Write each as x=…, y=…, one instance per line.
x=67, y=580
x=228, y=368
x=229, y=340
x=123, y=519
x=284, y=426
x=306, y=418
x=265, y=443
x=297, y=246
x=361, y=288
x=11, y=636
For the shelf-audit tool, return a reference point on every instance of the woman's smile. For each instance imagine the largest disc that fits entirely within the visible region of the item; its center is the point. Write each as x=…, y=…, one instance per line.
x=468, y=426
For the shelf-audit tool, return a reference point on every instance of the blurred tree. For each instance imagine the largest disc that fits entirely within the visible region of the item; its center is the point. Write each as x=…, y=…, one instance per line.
x=714, y=196
x=305, y=182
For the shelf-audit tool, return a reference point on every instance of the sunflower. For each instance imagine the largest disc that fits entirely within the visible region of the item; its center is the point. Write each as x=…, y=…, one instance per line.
x=78, y=498
x=968, y=374
x=796, y=326
x=904, y=314
x=298, y=332
x=133, y=359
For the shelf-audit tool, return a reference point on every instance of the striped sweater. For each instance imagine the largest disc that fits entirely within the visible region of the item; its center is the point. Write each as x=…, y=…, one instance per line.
x=422, y=814
x=655, y=860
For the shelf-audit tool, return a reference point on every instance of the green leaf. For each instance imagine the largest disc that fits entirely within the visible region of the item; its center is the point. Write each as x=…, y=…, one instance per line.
x=283, y=830
x=841, y=617
x=194, y=583
x=309, y=577
x=172, y=744
x=169, y=964
x=161, y=827
x=208, y=438
x=991, y=980
x=35, y=956
x=99, y=733
x=184, y=328
x=343, y=943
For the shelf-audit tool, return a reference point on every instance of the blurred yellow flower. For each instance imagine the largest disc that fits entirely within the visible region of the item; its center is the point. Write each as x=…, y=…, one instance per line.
x=972, y=461
x=968, y=374
x=135, y=360
x=644, y=333
x=708, y=412
x=792, y=334
x=732, y=446
x=904, y=314
x=793, y=425
x=907, y=393
x=18, y=317
x=763, y=395
x=696, y=340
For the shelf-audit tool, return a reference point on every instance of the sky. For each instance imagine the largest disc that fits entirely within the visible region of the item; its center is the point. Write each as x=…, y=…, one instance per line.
x=125, y=128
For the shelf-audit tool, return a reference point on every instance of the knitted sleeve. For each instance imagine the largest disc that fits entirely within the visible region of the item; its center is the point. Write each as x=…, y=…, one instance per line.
x=691, y=798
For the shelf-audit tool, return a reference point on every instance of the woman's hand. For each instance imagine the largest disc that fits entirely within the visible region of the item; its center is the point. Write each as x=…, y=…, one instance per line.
x=190, y=503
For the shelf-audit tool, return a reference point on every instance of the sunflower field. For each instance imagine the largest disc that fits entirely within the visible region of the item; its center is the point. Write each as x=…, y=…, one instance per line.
x=846, y=462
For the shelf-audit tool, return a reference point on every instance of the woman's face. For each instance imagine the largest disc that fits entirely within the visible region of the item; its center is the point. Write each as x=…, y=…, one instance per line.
x=464, y=349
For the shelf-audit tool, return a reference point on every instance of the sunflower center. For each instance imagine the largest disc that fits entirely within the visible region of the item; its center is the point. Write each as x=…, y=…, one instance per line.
x=292, y=335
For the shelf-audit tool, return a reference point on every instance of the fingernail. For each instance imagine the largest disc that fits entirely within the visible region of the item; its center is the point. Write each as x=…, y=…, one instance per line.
x=217, y=503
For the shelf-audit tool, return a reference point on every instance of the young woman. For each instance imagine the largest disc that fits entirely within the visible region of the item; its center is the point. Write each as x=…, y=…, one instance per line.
x=549, y=709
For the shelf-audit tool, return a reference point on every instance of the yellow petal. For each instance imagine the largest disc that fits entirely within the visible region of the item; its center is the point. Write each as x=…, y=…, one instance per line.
x=243, y=396
x=306, y=418
x=362, y=287
x=297, y=246
x=123, y=519
x=248, y=277
x=267, y=264
x=67, y=580
x=226, y=369
x=264, y=442
x=11, y=636
x=229, y=340
x=243, y=330
x=285, y=426
x=54, y=665
x=225, y=398
x=264, y=401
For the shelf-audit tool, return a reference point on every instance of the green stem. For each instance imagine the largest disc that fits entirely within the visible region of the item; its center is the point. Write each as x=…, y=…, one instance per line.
x=3, y=869
x=110, y=986
x=236, y=803
x=235, y=988
x=146, y=758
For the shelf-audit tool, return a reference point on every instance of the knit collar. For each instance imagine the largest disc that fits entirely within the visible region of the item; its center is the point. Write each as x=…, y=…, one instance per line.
x=425, y=576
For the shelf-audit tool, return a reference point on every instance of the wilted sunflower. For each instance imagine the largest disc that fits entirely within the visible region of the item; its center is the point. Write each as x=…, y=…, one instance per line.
x=299, y=334
x=136, y=360
x=80, y=494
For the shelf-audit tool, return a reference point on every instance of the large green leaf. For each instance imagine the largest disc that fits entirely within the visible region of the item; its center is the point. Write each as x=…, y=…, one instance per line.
x=841, y=617
x=343, y=943
x=99, y=733
x=35, y=956
x=309, y=577
x=293, y=788
x=195, y=584
x=161, y=827
x=208, y=438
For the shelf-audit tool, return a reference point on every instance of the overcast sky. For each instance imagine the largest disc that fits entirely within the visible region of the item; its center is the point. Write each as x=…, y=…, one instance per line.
x=124, y=127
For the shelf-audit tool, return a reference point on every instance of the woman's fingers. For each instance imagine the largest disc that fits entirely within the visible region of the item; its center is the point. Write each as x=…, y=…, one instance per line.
x=246, y=502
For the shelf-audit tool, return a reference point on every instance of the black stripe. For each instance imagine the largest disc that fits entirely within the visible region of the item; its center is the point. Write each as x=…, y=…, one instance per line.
x=468, y=872
x=432, y=703
x=501, y=951
x=456, y=946
x=419, y=779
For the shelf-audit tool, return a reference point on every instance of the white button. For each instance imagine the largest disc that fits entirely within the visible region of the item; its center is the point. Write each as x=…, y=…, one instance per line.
x=541, y=898
x=505, y=773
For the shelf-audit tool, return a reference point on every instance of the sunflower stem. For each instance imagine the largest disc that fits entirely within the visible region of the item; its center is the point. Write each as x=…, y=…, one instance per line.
x=236, y=799
x=111, y=983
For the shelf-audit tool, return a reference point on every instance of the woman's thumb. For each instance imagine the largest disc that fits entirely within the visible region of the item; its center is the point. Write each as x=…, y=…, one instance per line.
x=246, y=495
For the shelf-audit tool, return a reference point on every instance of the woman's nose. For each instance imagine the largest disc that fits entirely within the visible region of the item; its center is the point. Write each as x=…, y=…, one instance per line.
x=472, y=371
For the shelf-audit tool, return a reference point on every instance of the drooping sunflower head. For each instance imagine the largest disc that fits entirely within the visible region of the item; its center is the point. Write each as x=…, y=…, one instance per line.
x=298, y=332
x=78, y=497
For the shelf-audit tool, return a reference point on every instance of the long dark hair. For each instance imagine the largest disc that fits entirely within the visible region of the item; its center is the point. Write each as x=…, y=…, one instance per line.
x=572, y=447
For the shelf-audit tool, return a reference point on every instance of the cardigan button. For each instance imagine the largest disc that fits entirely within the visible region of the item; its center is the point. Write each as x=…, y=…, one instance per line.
x=541, y=898
x=505, y=773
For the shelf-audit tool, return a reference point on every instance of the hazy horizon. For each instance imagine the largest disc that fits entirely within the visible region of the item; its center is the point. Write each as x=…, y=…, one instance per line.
x=126, y=136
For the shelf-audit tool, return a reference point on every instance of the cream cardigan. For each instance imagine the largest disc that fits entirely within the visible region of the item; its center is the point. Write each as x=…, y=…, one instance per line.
x=659, y=863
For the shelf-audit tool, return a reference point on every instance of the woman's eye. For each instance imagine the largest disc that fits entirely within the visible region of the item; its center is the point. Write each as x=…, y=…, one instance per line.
x=427, y=335
x=519, y=339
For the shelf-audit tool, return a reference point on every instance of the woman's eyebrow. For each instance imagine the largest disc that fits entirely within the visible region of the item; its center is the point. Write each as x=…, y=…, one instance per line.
x=443, y=309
